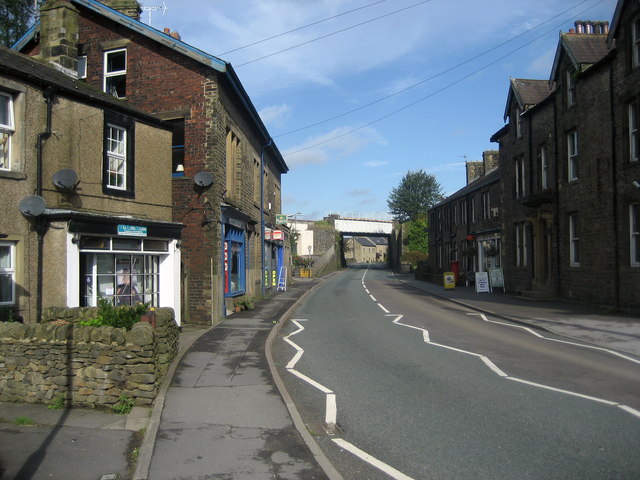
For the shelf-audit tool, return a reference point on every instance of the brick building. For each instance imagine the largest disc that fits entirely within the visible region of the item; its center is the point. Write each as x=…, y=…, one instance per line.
x=569, y=159
x=226, y=169
x=76, y=227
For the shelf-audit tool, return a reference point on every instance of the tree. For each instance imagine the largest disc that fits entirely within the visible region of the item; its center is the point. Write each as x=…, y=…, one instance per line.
x=417, y=192
x=15, y=17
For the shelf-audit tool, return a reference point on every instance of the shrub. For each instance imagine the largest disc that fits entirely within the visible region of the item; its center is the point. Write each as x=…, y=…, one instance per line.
x=245, y=302
x=123, y=316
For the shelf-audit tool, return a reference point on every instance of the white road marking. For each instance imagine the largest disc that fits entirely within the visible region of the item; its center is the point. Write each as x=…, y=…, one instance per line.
x=560, y=390
x=392, y=472
x=372, y=297
x=383, y=309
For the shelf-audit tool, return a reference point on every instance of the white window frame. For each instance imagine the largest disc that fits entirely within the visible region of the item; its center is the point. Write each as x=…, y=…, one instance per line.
x=7, y=130
x=10, y=271
x=574, y=241
x=634, y=234
x=572, y=155
x=114, y=73
x=82, y=66
x=634, y=142
x=117, y=157
x=544, y=167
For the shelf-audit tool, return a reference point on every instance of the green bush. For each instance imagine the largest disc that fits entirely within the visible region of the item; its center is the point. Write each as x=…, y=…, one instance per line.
x=123, y=316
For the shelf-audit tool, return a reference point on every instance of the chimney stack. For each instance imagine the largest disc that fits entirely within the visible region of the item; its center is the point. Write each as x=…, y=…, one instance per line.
x=131, y=8
x=59, y=34
x=475, y=170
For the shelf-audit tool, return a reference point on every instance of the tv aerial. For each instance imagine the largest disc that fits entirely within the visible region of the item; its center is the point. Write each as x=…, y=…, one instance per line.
x=155, y=8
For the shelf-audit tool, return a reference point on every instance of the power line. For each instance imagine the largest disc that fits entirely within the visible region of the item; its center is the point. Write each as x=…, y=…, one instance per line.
x=332, y=33
x=469, y=60
x=384, y=117
x=302, y=27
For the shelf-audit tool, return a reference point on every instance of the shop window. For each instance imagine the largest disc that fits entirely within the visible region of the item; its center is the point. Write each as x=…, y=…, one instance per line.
x=124, y=279
x=7, y=129
x=115, y=73
x=120, y=269
x=7, y=273
x=234, y=262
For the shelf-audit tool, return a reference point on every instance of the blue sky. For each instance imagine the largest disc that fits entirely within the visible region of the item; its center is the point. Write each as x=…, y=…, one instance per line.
x=357, y=101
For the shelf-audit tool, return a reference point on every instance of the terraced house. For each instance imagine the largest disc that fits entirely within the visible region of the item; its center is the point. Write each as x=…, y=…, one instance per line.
x=226, y=170
x=79, y=222
x=570, y=202
x=569, y=174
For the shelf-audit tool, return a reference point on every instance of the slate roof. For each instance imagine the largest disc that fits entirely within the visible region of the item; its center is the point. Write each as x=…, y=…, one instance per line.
x=582, y=49
x=181, y=47
x=527, y=93
x=365, y=241
x=36, y=72
x=488, y=179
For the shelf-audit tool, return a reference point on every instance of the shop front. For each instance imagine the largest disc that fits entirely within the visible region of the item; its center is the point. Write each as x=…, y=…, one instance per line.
x=124, y=260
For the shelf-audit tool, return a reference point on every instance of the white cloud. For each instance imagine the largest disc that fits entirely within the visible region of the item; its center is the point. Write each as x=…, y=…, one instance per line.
x=275, y=115
x=337, y=143
x=376, y=163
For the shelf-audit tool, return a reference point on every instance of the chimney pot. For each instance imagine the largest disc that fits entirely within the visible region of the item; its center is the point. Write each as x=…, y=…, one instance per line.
x=167, y=31
x=176, y=35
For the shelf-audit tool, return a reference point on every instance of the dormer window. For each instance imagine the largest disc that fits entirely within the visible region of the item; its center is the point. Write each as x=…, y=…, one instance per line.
x=571, y=87
x=115, y=72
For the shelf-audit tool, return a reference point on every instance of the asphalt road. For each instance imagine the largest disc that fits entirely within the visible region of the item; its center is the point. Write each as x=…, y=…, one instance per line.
x=421, y=388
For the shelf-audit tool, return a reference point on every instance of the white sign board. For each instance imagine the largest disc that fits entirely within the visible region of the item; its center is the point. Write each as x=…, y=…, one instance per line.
x=496, y=276
x=482, y=282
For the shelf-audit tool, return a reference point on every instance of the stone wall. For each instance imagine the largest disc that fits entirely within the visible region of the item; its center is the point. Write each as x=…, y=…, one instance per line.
x=87, y=366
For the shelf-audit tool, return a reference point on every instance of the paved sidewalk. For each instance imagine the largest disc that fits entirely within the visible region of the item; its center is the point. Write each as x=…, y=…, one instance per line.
x=619, y=332
x=222, y=415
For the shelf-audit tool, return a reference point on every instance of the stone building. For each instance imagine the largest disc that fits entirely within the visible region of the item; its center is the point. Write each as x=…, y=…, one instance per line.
x=570, y=171
x=465, y=232
x=79, y=222
x=226, y=169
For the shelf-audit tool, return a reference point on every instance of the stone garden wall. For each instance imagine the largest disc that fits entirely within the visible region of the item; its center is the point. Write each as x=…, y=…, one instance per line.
x=86, y=366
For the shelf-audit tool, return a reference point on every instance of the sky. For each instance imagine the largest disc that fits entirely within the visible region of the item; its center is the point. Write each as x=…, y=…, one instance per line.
x=357, y=93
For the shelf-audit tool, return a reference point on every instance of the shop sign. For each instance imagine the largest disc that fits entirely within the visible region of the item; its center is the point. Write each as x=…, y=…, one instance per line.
x=449, y=280
x=132, y=230
x=496, y=276
x=482, y=282
x=281, y=219
x=277, y=235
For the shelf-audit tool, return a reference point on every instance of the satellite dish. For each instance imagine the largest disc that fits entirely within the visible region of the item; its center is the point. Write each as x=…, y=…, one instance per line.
x=32, y=206
x=65, y=179
x=203, y=179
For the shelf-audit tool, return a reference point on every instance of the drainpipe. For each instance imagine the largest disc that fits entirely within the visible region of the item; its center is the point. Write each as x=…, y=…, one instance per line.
x=262, y=282
x=41, y=222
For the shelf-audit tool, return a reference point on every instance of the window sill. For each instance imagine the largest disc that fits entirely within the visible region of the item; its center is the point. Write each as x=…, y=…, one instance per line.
x=12, y=175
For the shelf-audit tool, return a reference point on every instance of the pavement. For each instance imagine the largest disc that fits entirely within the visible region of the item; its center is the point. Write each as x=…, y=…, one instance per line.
x=223, y=413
